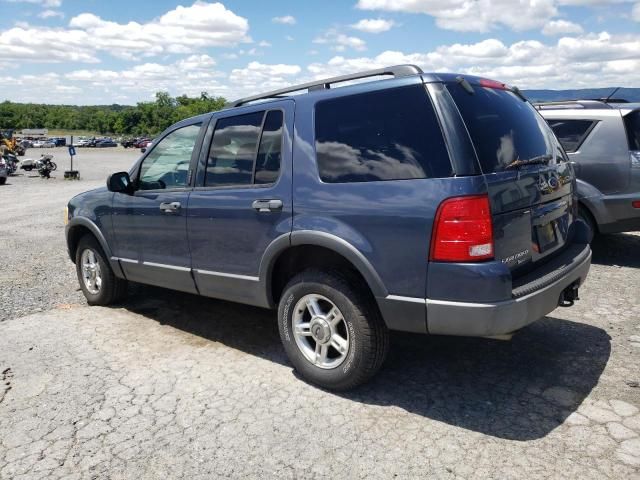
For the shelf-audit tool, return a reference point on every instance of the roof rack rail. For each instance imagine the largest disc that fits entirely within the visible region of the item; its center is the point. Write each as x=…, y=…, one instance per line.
x=396, y=71
x=568, y=104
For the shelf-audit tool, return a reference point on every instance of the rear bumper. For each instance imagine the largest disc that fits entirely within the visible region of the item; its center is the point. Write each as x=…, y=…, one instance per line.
x=446, y=317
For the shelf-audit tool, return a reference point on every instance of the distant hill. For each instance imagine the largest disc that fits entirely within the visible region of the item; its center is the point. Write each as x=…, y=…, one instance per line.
x=630, y=94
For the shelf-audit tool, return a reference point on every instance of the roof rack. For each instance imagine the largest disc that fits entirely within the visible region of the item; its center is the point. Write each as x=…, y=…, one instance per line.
x=570, y=104
x=396, y=71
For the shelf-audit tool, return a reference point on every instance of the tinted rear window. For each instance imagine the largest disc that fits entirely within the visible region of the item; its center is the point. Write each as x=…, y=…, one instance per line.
x=632, y=124
x=571, y=133
x=386, y=135
x=503, y=127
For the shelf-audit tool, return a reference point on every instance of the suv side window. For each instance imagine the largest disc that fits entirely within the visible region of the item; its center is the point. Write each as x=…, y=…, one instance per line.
x=246, y=150
x=571, y=133
x=386, y=135
x=167, y=165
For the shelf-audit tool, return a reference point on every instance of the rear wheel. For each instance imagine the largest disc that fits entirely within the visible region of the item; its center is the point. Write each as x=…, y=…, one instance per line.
x=97, y=280
x=332, y=333
x=3, y=180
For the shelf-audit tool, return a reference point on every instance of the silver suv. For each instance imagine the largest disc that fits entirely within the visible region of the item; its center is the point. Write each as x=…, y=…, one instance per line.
x=602, y=140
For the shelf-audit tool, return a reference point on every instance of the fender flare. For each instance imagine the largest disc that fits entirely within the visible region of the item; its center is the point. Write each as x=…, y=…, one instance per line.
x=93, y=228
x=320, y=239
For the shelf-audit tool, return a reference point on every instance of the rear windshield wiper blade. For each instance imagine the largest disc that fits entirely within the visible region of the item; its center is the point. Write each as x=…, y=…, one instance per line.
x=542, y=159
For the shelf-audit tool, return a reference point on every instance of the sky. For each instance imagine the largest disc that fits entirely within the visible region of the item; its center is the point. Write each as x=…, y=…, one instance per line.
x=123, y=51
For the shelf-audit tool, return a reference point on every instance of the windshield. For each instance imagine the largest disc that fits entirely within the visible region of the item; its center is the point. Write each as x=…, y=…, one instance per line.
x=506, y=131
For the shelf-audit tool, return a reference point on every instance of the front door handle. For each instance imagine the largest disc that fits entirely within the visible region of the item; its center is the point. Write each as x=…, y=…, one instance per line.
x=267, y=205
x=170, y=207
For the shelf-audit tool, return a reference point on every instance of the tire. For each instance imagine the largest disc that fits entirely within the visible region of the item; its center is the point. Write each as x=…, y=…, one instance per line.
x=586, y=217
x=3, y=180
x=54, y=166
x=358, y=321
x=111, y=288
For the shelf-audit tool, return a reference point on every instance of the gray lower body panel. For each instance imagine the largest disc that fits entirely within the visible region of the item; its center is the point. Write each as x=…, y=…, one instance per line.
x=499, y=318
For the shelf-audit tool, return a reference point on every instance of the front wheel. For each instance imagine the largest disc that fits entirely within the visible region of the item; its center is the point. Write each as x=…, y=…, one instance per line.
x=3, y=180
x=97, y=280
x=331, y=332
x=54, y=166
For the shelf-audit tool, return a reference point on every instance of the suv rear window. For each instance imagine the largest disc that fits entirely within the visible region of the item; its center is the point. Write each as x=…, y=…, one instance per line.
x=632, y=124
x=571, y=133
x=503, y=127
x=385, y=135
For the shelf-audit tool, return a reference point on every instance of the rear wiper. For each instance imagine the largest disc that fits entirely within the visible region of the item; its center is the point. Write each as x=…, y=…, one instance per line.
x=542, y=159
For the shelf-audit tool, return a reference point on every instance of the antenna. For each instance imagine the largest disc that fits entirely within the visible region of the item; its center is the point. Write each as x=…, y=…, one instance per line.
x=611, y=94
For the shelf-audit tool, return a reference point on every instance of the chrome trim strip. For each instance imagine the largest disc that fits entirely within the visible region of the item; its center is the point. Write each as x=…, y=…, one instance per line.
x=152, y=264
x=399, y=298
x=228, y=275
x=170, y=267
x=187, y=269
x=126, y=260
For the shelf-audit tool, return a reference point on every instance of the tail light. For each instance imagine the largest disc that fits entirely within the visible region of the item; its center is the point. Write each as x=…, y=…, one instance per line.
x=463, y=231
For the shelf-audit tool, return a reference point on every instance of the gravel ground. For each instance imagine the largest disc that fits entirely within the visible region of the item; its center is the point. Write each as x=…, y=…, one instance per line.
x=36, y=272
x=172, y=385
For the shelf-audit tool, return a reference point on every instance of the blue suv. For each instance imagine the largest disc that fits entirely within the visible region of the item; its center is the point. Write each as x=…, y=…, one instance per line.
x=426, y=203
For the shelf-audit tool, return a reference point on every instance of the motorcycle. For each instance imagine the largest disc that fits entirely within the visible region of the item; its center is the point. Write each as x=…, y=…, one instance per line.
x=45, y=166
x=37, y=164
x=11, y=162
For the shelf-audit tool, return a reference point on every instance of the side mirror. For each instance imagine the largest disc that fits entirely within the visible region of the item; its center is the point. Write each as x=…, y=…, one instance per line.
x=119, y=182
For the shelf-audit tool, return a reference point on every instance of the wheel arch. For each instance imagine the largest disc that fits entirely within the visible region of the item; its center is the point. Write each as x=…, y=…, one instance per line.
x=305, y=249
x=80, y=226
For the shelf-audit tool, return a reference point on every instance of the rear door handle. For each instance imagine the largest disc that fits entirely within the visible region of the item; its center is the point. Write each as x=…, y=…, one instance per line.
x=267, y=205
x=170, y=207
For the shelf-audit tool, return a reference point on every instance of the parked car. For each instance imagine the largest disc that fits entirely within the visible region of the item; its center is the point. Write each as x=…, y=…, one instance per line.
x=105, y=143
x=128, y=142
x=59, y=141
x=141, y=142
x=44, y=144
x=427, y=203
x=602, y=140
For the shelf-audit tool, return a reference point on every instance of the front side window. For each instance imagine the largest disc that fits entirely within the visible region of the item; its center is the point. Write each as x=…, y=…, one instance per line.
x=571, y=133
x=167, y=165
x=246, y=150
x=386, y=135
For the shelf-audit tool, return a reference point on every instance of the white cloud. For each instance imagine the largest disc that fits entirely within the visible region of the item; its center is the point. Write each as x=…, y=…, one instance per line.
x=373, y=25
x=44, y=3
x=484, y=15
x=635, y=12
x=264, y=44
x=182, y=30
x=478, y=16
x=339, y=41
x=559, y=27
x=287, y=20
x=289, y=38
x=51, y=14
x=589, y=60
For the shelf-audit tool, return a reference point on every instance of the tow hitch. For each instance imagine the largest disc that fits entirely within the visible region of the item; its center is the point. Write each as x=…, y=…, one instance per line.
x=569, y=295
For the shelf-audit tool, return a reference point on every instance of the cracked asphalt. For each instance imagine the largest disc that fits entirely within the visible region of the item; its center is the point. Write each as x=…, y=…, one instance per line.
x=171, y=385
